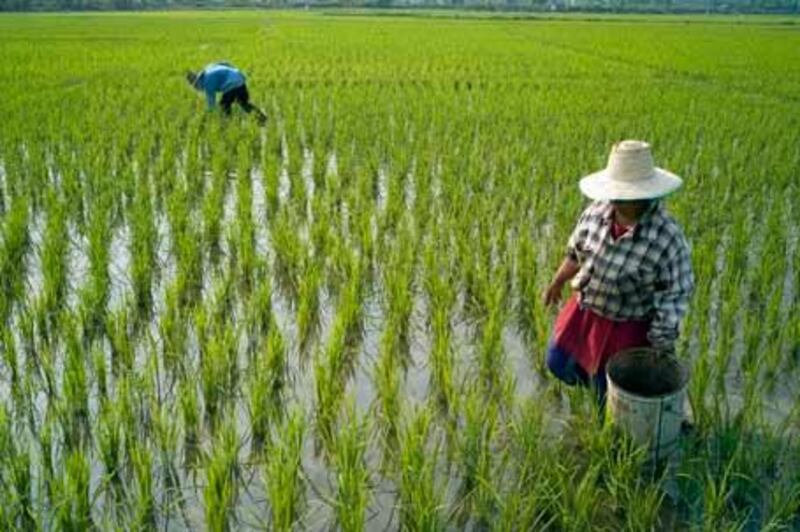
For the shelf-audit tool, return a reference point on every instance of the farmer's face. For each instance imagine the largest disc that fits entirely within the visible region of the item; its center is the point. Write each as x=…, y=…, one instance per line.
x=631, y=208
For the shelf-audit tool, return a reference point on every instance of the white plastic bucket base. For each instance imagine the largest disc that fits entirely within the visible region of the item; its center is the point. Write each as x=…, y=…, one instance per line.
x=654, y=422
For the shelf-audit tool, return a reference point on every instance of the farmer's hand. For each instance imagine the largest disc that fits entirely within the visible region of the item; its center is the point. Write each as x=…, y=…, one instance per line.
x=553, y=293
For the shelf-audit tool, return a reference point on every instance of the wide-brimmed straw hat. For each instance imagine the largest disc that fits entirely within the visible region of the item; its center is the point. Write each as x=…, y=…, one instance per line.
x=630, y=175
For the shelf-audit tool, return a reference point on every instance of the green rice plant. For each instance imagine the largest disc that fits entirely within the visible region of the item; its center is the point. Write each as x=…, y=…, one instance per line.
x=143, y=245
x=270, y=168
x=389, y=400
x=530, y=316
x=533, y=459
x=441, y=297
x=298, y=194
x=122, y=349
x=267, y=388
x=258, y=314
x=190, y=417
x=491, y=354
x=222, y=471
x=75, y=391
x=54, y=260
x=477, y=499
x=173, y=332
x=290, y=253
x=328, y=396
x=166, y=430
x=309, y=283
x=95, y=294
x=399, y=296
x=245, y=257
x=73, y=500
x=8, y=352
x=17, y=488
x=353, y=478
x=218, y=372
x=283, y=473
x=110, y=440
x=145, y=508
x=420, y=500
x=580, y=499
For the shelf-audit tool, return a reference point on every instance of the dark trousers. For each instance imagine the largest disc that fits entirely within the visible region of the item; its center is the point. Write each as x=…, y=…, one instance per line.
x=242, y=97
x=564, y=367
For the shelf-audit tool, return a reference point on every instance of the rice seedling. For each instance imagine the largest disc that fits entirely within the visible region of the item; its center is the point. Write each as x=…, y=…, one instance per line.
x=144, y=517
x=353, y=479
x=476, y=495
x=267, y=389
x=73, y=500
x=283, y=473
x=420, y=498
x=222, y=470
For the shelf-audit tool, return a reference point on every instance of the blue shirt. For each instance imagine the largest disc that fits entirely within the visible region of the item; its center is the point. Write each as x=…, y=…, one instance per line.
x=218, y=77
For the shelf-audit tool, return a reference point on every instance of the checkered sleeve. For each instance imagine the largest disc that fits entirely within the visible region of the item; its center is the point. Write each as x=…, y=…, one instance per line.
x=674, y=287
x=578, y=236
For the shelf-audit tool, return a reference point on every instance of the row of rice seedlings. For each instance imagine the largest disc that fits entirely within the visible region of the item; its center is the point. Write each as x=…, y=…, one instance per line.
x=421, y=505
x=173, y=334
x=271, y=166
x=290, y=253
x=308, y=306
x=145, y=507
x=283, y=476
x=477, y=498
x=440, y=290
x=121, y=341
x=258, y=316
x=388, y=385
x=222, y=468
x=75, y=390
x=352, y=474
x=110, y=438
x=191, y=422
x=72, y=499
x=219, y=373
x=398, y=279
x=334, y=366
x=18, y=511
x=243, y=257
x=267, y=389
x=298, y=195
x=54, y=263
x=214, y=209
x=95, y=293
x=14, y=247
x=144, y=243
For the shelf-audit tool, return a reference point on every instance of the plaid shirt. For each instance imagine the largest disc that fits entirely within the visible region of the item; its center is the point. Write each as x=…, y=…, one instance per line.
x=644, y=275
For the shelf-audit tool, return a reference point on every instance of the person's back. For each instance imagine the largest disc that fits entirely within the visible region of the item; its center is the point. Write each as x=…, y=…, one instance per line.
x=221, y=77
x=227, y=79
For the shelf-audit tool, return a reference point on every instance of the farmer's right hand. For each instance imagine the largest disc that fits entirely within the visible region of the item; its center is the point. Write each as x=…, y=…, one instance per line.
x=553, y=293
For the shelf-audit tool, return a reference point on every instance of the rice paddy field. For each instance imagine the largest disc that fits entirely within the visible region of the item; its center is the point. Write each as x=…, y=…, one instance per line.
x=336, y=321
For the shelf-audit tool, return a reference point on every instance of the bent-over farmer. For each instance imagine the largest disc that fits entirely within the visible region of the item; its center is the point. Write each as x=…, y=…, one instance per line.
x=230, y=81
x=630, y=270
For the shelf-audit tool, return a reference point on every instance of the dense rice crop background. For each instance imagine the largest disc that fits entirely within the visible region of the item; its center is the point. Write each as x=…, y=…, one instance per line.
x=335, y=321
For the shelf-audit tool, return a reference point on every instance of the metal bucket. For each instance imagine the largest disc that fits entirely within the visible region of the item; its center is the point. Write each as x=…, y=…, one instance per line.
x=646, y=394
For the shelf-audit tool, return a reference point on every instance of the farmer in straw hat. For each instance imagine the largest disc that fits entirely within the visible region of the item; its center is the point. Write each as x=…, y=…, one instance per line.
x=230, y=81
x=629, y=266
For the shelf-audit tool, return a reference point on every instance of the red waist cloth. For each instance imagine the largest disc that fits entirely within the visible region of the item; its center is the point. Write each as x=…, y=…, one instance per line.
x=591, y=339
